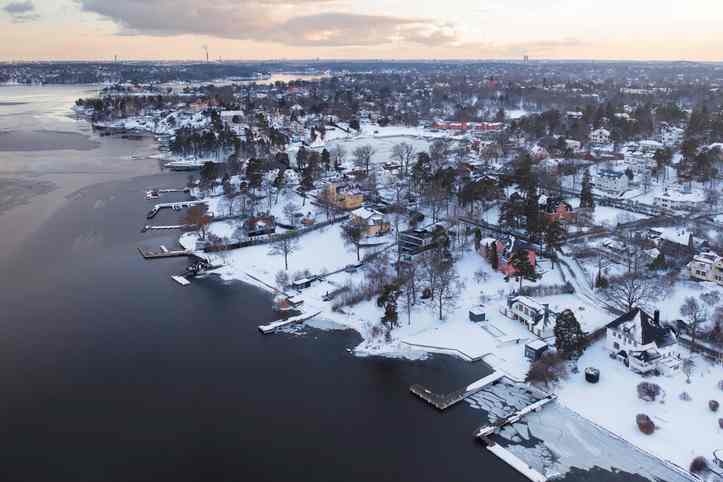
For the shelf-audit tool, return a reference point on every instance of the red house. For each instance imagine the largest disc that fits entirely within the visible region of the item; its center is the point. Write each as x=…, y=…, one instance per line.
x=505, y=250
x=555, y=209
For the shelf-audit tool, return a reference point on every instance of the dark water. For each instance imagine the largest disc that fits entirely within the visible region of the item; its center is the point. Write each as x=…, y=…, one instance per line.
x=109, y=371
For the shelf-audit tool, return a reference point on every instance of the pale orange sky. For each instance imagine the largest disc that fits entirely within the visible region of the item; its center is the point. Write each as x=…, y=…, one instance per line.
x=407, y=29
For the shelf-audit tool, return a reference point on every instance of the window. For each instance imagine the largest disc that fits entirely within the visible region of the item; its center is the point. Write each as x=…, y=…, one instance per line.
x=616, y=345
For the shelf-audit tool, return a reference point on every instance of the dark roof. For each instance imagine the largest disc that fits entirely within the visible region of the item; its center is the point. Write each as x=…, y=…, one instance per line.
x=650, y=328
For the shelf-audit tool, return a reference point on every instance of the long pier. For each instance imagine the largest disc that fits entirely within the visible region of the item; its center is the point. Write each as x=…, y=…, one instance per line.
x=163, y=253
x=444, y=401
x=277, y=325
x=175, y=206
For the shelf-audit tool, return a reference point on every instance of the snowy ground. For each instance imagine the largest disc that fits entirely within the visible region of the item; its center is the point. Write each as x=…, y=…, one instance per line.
x=685, y=429
x=556, y=439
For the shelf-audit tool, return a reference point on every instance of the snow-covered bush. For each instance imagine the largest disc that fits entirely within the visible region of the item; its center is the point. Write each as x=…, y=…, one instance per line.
x=648, y=391
x=698, y=465
x=645, y=424
x=713, y=405
x=685, y=396
x=720, y=423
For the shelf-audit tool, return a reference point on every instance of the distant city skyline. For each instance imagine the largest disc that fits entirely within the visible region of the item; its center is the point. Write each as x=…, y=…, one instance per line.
x=341, y=29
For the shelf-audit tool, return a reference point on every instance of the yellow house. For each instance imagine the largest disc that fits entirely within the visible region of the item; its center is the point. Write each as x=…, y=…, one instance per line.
x=345, y=200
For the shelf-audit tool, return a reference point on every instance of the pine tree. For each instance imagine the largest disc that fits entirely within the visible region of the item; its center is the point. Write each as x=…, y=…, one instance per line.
x=586, y=197
x=554, y=234
x=569, y=338
x=520, y=260
x=477, y=239
x=492, y=255
x=325, y=159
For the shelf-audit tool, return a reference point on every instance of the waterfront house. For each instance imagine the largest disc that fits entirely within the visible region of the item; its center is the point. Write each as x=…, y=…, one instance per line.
x=642, y=343
x=536, y=317
x=260, y=225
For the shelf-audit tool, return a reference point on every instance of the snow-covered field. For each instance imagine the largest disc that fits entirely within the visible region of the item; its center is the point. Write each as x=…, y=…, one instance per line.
x=685, y=429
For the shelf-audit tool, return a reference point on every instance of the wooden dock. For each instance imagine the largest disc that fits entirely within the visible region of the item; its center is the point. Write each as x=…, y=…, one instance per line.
x=175, y=206
x=485, y=432
x=444, y=401
x=163, y=253
x=171, y=227
x=277, y=325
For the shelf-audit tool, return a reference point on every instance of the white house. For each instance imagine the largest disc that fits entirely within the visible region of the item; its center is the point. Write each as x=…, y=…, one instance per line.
x=537, y=317
x=670, y=136
x=707, y=267
x=642, y=343
x=600, y=136
x=609, y=180
x=678, y=200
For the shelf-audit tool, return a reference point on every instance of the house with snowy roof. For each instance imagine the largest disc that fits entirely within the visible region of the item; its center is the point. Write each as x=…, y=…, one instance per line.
x=642, y=343
x=707, y=267
x=536, y=317
x=678, y=200
x=600, y=136
x=373, y=222
x=614, y=181
x=506, y=248
x=556, y=209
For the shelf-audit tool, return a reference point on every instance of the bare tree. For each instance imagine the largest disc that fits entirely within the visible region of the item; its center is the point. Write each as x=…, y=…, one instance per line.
x=284, y=245
x=352, y=234
x=198, y=217
x=446, y=285
x=363, y=157
x=404, y=154
x=290, y=210
x=631, y=290
x=696, y=314
x=337, y=154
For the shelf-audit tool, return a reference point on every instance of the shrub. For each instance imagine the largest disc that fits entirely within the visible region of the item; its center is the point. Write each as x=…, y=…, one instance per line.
x=648, y=391
x=549, y=368
x=720, y=423
x=685, y=396
x=713, y=405
x=698, y=465
x=645, y=424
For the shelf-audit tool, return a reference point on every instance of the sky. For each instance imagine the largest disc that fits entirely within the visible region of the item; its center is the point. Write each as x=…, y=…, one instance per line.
x=355, y=29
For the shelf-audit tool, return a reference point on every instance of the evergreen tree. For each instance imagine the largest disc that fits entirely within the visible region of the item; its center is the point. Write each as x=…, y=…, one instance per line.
x=601, y=281
x=569, y=338
x=477, y=239
x=520, y=260
x=658, y=263
x=325, y=159
x=554, y=234
x=586, y=197
x=492, y=255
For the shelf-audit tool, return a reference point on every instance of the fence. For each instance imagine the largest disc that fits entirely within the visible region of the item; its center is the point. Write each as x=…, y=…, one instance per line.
x=270, y=238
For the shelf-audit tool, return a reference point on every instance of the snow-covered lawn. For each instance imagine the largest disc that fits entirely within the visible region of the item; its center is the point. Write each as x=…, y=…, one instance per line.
x=685, y=429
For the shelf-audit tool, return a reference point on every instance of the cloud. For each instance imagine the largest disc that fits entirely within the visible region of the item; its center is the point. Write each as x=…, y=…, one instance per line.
x=21, y=11
x=265, y=20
